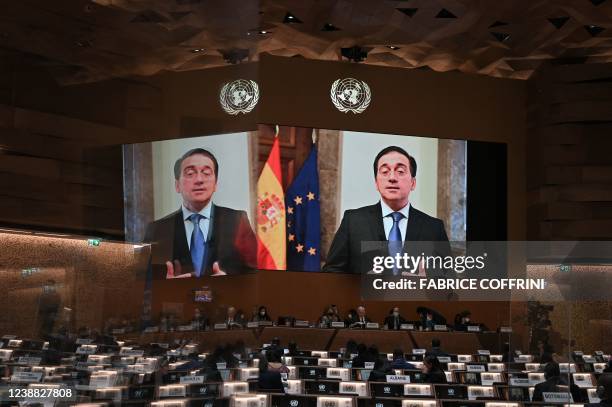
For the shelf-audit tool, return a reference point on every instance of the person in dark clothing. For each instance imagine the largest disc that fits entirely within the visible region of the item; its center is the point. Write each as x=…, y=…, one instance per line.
x=351, y=348
x=555, y=384
x=380, y=371
x=433, y=371
x=293, y=349
x=399, y=361
x=545, y=352
x=269, y=380
x=604, y=391
x=436, y=349
x=362, y=356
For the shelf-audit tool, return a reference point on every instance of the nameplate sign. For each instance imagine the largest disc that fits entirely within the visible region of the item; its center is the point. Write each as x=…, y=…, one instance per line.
x=475, y=392
x=419, y=403
x=29, y=360
x=519, y=381
x=189, y=379
x=368, y=365
x=535, y=378
x=26, y=377
x=151, y=329
x=14, y=343
x=407, y=327
x=599, y=353
x=398, y=379
x=220, y=326
x=567, y=367
x=487, y=379
x=301, y=324
x=557, y=397
x=183, y=328
x=221, y=365
x=417, y=390
x=133, y=352
x=532, y=367
x=495, y=367
x=588, y=359
x=485, y=352
x=440, y=327
x=86, y=349
x=505, y=329
x=464, y=358
x=592, y=393
x=83, y=341
x=583, y=380
x=338, y=373
x=578, y=353
x=444, y=359
x=598, y=367
x=372, y=325
x=338, y=324
x=334, y=401
x=265, y=323
x=9, y=337
x=419, y=351
x=473, y=328
x=475, y=368
x=456, y=366
x=358, y=388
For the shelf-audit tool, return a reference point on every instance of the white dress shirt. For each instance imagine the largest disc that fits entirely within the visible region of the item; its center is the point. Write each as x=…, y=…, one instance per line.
x=388, y=220
x=204, y=222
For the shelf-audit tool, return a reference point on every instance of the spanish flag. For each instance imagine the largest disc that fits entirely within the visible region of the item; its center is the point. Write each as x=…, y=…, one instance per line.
x=271, y=244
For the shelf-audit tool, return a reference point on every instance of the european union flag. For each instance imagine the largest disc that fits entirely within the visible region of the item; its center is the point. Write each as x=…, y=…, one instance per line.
x=304, y=217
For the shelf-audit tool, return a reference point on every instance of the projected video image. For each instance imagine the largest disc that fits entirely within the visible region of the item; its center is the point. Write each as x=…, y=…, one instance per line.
x=292, y=198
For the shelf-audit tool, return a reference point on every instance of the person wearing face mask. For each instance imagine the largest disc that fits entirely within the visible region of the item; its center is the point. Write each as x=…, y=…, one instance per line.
x=462, y=321
x=394, y=320
x=604, y=391
x=262, y=315
x=328, y=317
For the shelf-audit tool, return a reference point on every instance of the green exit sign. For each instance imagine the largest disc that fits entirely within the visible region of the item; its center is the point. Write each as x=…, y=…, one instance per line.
x=565, y=268
x=93, y=242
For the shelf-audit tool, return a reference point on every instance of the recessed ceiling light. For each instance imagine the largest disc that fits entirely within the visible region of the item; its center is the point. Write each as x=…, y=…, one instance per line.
x=196, y=50
x=393, y=47
x=501, y=37
x=291, y=19
x=329, y=27
x=594, y=30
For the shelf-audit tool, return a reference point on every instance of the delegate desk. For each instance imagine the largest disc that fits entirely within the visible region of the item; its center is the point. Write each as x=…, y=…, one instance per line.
x=332, y=339
x=386, y=341
x=459, y=342
x=305, y=338
x=208, y=340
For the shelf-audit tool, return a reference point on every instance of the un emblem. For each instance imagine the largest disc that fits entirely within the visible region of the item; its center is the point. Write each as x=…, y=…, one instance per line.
x=239, y=96
x=350, y=95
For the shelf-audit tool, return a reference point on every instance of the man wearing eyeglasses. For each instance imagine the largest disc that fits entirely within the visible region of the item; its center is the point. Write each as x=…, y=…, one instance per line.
x=393, y=219
x=201, y=238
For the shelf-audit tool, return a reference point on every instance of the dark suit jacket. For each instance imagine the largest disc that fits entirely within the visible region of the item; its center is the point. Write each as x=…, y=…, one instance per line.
x=366, y=225
x=389, y=321
x=551, y=385
x=230, y=242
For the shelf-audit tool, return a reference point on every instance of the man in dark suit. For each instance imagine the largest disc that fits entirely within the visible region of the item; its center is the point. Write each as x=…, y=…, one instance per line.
x=555, y=383
x=201, y=238
x=394, y=320
x=392, y=219
x=361, y=319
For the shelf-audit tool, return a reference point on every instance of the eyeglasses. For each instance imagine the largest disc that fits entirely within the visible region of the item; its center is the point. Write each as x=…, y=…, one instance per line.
x=399, y=172
x=191, y=173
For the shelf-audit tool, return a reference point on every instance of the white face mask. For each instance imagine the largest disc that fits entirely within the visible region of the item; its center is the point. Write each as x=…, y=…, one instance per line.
x=396, y=314
x=467, y=320
x=262, y=313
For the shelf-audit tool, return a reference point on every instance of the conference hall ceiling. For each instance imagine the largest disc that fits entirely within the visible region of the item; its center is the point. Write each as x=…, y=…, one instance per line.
x=82, y=41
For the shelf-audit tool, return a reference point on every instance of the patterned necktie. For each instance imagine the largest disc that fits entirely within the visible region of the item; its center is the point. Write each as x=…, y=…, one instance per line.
x=395, y=238
x=198, y=246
